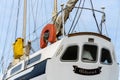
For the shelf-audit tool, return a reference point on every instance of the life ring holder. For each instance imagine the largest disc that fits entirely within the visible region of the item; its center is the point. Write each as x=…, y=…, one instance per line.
x=51, y=30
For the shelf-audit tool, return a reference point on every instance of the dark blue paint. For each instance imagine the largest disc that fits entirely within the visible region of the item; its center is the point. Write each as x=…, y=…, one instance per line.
x=39, y=69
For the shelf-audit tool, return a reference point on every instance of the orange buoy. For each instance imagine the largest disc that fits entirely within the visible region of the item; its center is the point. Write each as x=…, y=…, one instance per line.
x=48, y=35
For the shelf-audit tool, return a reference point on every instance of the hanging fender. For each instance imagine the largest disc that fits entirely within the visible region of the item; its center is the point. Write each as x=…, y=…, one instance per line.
x=48, y=35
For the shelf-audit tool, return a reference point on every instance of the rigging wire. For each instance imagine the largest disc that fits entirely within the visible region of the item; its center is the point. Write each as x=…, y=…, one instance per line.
x=95, y=17
x=8, y=28
x=32, y=7
x=0, y=10
x=106, y=30
x=74, y=17
x=2, y=22
x=12, y=39
x=8, y=58
x=45, y=9
x=79, y=16
x=116, y=36
x=40, y=26
x=34, y=16
x=117, y=28
x=2, y=56
x=29, y=13
x=34, y=3
x=35, y=29
x=36, y=12
x=17, y=19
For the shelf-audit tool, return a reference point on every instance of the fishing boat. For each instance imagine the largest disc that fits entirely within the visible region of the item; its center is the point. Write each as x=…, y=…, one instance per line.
x=72, y=56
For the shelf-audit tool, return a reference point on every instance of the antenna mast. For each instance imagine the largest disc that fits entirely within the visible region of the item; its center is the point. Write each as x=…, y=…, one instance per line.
x=24, y=21
x=55, y=11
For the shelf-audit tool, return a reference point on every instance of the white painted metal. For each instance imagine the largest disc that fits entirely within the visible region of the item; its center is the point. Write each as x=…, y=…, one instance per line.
x=56, y=69
x=42, y=77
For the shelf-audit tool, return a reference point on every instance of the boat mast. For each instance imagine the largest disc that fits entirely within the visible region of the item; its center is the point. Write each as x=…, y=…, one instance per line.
x=63, y=23
x=55, y=11
x=24, y=22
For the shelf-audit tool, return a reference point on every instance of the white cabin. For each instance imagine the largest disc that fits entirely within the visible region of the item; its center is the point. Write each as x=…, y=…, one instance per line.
x=78, y=56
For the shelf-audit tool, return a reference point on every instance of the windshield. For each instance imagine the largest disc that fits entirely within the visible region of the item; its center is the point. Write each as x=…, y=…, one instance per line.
x=89, y=53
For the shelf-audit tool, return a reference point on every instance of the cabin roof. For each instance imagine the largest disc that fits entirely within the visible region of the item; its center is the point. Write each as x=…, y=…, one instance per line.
x=90, y=33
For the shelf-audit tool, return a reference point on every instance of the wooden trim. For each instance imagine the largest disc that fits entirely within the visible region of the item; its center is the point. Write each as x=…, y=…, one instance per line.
x=90, y=33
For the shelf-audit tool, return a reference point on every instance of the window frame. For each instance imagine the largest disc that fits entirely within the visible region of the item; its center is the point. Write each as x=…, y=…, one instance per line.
x=18, y=67
x=110, y=56
x=31, y=61
x=97, y=53
x=77, y=58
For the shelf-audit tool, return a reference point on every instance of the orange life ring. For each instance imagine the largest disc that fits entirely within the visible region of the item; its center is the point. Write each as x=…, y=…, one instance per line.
x=52, y=35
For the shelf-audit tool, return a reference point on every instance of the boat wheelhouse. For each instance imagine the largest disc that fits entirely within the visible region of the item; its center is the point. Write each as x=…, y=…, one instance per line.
x=66, y=60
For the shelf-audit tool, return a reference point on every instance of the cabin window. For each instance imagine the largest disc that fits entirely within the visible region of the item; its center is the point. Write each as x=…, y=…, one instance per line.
x=89, y=53
x=105, y=56
x=70, y=54
x=17, y=68
x=34, y=59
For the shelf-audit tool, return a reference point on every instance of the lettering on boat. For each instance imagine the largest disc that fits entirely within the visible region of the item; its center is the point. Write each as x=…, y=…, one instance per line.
x=83, y=71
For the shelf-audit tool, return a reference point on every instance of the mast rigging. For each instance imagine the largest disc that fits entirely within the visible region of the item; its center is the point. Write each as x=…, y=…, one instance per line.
x=58, y=23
